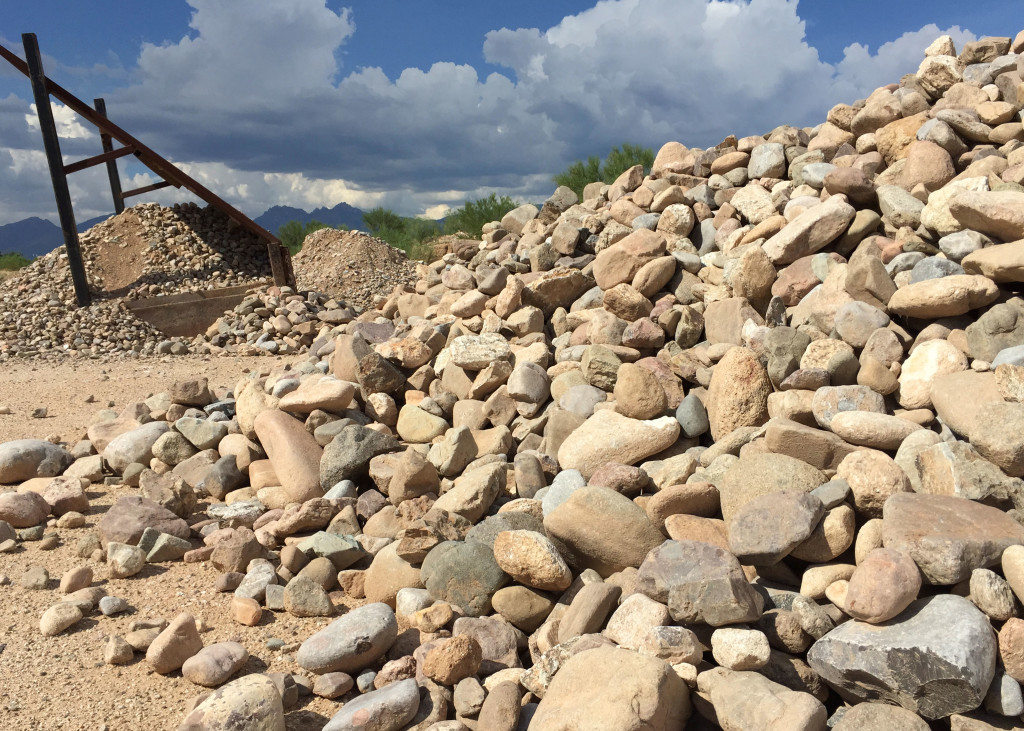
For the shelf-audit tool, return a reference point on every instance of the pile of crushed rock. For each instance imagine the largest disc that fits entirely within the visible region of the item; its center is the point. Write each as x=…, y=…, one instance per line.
x=693, y=450
x=351, y=266
x=146, y=250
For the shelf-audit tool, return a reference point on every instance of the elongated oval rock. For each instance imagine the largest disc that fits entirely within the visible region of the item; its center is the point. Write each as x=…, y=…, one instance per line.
x=23, y=459
x=293, y=452
x=214, y=664
x=608, y=436
x=352, y=642
x=604, y=530
x=949, y=296
x=387, y=709
x=936, y=658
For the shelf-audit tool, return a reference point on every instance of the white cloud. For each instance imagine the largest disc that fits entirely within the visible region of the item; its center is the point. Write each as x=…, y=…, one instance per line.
x=256, y=102
x=68, y=124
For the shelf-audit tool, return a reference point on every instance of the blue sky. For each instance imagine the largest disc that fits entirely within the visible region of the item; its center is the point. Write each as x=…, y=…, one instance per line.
x=421, y=104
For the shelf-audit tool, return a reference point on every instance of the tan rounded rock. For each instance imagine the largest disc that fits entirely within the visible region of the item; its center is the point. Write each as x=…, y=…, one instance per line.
x=638, y=393
x=531, y=559
x=738, y=393
x=882, y=586
x=873, y=478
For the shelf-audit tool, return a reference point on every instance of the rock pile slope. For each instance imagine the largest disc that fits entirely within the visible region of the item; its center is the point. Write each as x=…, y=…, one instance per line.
x=145, y=251
x=735, y=444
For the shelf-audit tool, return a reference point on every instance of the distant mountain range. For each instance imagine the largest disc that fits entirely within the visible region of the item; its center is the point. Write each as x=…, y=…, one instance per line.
x=341, y=215
x=32, y=237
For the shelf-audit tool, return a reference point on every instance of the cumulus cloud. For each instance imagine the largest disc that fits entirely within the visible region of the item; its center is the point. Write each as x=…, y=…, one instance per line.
x=254, y=99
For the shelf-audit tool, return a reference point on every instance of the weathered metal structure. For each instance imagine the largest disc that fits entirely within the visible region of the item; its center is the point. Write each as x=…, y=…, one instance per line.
x=42, y=89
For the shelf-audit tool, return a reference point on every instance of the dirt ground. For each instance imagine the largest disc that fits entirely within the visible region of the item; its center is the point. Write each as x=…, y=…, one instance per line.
x=62, y=682
x=63, y=389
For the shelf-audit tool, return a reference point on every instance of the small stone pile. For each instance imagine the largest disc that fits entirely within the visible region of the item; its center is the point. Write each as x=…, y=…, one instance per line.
x=145, y=251
x=351, y=266
x=276, y=320
x=736, y=444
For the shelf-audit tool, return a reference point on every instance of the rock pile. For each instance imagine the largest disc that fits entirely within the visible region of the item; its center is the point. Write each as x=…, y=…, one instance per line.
x=696, y=447
x=351, y=266
x=276, y=320
x=145, y=251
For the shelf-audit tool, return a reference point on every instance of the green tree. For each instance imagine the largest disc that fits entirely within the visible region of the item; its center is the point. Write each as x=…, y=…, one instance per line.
x=293, y=233
x=472, y=215
x=412, y=235
x=579, y=174
x=621, y=160
x=383, y=219
x=11, y=261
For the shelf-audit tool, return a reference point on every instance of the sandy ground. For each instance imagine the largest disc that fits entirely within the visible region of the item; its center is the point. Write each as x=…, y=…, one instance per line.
x=63, y=388
x=62, y=682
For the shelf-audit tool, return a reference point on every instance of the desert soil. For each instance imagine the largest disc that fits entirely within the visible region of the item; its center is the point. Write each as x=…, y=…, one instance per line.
x=62, y=682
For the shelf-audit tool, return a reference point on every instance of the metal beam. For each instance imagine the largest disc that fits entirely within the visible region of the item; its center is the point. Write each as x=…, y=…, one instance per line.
x=146, y=189
x=51, y=143
x=112, y=174
x=88, y=162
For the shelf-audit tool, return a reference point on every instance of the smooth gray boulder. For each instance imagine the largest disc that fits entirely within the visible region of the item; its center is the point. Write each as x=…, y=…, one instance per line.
x=352, y=642
x=24, y=459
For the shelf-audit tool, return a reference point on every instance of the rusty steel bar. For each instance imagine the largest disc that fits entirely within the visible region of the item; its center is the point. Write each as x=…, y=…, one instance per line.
x=97, y=160
x=146, y=189
x=112, y=175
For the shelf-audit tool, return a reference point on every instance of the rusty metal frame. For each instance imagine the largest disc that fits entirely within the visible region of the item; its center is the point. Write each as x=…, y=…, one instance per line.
x=280, y=257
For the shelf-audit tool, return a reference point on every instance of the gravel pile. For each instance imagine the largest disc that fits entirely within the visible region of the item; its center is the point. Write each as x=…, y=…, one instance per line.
x=351, y=266
x=145, y=251
x=693, y=450
x=276, y=321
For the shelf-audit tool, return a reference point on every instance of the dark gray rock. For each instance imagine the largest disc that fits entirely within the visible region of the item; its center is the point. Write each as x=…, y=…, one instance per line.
x=700, y=583
x=463, y=573
x=349, y=453
x=934, y=267
x=352, y=642
x=936, y=658
x=692, y=417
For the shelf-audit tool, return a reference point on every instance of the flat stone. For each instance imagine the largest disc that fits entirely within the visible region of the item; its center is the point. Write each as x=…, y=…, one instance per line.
x=949, y=296
x=948, y=537
x=608, y=436
x=388, y=709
